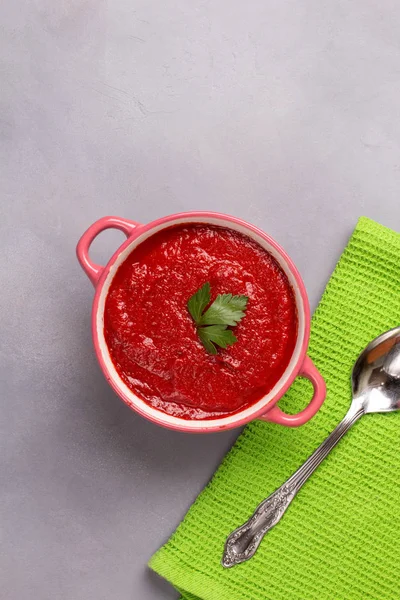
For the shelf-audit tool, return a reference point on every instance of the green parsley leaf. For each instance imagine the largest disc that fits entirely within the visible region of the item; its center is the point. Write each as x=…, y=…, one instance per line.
x=216, y=334
x=212, y=325
x=199, y=301
x=225, y=310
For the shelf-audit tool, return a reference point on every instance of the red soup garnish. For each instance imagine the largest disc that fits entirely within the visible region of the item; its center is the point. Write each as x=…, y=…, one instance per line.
x=153, y=340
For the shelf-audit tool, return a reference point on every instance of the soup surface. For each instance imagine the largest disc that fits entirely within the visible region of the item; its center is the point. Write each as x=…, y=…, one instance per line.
x=153, y=340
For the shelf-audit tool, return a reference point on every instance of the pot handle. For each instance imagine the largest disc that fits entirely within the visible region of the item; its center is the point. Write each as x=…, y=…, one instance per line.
x=276, y=415
x=92, y=270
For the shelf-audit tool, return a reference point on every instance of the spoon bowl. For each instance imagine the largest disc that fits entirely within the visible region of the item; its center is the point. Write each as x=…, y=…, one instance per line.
x=376, y=374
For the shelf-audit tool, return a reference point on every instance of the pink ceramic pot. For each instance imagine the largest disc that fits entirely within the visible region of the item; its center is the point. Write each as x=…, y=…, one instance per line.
x=266, y=408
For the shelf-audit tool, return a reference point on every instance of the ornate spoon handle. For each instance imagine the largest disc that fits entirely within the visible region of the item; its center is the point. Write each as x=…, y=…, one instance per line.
x=244, y=541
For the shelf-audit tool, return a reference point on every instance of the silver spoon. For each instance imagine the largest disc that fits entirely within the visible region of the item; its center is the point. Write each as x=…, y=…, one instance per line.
x=376, y=389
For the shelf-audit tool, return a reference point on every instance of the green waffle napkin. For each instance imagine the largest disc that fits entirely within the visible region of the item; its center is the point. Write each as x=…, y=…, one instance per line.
x=340, y=538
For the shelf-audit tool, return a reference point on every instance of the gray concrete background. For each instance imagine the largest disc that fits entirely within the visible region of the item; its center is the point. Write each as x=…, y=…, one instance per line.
x=284, y=113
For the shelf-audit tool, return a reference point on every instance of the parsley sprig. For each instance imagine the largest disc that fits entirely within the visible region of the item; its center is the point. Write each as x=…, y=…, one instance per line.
x=212, y=325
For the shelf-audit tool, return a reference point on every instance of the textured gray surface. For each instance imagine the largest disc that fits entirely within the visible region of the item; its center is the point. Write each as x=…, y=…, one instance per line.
x=284, y=113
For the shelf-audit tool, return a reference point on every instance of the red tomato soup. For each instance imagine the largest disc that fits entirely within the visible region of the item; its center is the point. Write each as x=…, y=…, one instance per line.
x=152, y=338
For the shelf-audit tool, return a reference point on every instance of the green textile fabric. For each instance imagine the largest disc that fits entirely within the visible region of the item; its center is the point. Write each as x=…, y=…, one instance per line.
x=340, y=538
